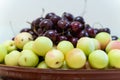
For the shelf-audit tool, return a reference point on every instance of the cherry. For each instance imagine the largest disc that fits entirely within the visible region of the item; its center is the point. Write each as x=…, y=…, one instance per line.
x=46, y=24
x=73, y=40
x=63, y=24
x=68, y=16
x=49, y=15
x=114, y=37
x=76, y=26
x=52, y=34
x=79, y=19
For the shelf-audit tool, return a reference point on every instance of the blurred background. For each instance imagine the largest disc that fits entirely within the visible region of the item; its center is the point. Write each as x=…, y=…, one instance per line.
x=16, y=13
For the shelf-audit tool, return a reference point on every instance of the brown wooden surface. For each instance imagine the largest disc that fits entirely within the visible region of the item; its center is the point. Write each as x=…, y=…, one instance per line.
x=21, y=73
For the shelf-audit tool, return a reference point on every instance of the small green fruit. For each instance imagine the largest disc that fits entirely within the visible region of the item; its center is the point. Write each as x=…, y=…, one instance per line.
x=114, y=58
x=11, y=59
x=65, y=46
x=86, y=44
x=3, y=53
x=54, y=58
x=75, y=58
x=42, y=45
x=28, y=59
x=104, y=38
x=42, y=65
x=9, y=45
x=29, y=45
x=98, y=59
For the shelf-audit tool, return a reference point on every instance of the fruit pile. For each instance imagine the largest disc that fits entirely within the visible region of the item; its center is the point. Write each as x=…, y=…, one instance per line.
x=66, y=27
x=65, y=42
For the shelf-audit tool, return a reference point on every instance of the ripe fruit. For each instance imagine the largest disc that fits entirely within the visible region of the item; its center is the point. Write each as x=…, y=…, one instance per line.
x=66, y=27
x=11, y=59
x=42, y=45
x=79, y=19
x=96, y=43
x=22, y=38
x=9, y=45
x=52, y=34
x=75, y=58
x=104, y=38
x=114, y=58
x=46, y=24
x=63, y=24
x=42, y=65
x=49, y=15
x=54, y=58
x=114, y=37
x=98, y=59
x=77, y=26
x=67, y=16
x=113, y=45
x=65, y=46
x=3, y=53
x=28, y=45
x=86, y=44
x=28, y=59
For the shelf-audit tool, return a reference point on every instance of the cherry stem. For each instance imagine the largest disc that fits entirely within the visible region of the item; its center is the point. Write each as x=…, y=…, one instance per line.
x=84, y=9
x=28, y=22
x=12, y=29
x=43, y=11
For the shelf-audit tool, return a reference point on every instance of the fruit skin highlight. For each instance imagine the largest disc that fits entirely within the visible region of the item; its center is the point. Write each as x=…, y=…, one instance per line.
x=86, y=44
x=114, y=58
x=42, y=45
x=54, y=58
x=65, y=46
x=75, y=58
x=113, y=45
x=98, y=59
x=104, y=38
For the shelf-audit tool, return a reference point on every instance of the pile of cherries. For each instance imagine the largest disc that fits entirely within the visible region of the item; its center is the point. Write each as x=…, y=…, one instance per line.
x=66, y=27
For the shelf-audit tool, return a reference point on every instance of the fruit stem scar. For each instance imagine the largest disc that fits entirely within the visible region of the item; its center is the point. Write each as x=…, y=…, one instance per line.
x=57, y=62
x=25, y=59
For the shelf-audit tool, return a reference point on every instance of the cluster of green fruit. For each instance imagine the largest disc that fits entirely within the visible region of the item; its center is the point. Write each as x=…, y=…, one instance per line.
x=100, y=52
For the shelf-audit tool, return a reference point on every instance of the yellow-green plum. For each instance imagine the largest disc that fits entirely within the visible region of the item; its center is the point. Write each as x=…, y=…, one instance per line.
x=28, y=45
x=11, y=59
x=22, y=38
x=3, y=53
x=28, y=59
x=104, y=38
x=9, y=45
x=42, y=45
x=75, y=58
x=86, y=44
x=96, y=43
x=54, y=58
x=114, y=58
x=113, y=45
x=98, y=59
x=42, y=65
x=65, y=46
x=65, y=66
